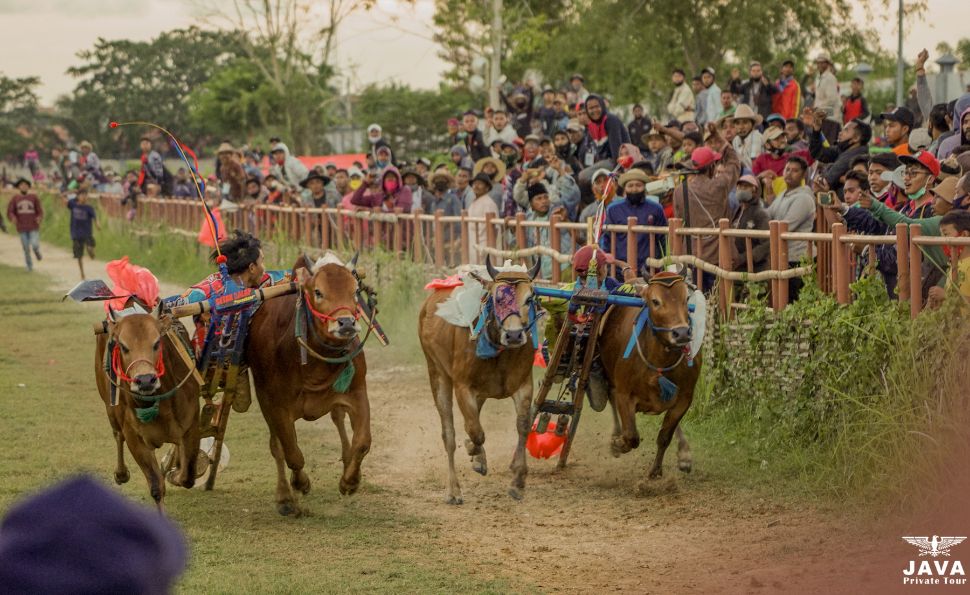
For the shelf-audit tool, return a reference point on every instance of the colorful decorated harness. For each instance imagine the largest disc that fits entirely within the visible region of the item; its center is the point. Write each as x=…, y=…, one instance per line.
x=500, y=304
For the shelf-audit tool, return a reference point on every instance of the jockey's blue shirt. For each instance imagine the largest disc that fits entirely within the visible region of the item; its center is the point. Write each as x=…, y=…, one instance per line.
x=649, y=212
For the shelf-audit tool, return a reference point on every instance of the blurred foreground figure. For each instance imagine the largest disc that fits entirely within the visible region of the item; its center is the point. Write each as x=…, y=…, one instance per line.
x=80, y=537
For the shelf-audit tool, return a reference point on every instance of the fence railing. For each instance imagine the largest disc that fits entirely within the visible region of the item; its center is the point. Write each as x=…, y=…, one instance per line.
x=447, y=241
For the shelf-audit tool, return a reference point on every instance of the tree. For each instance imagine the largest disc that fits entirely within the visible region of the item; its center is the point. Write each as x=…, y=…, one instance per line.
x=291, y=47
x=413, y=121
x=463, y=30
x=21, y=123
x=630, y=48
x=127, y=80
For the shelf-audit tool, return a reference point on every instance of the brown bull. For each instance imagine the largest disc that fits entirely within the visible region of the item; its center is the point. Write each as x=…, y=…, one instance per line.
x=288, y=391
x=454, y=367
x=635, y=382
x=147, y=370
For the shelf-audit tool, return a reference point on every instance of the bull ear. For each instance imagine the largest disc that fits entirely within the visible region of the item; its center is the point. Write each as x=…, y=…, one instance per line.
x=352, y=265
x=534, y=271
x=165, y=322
x=492, y=272
x=301, y=275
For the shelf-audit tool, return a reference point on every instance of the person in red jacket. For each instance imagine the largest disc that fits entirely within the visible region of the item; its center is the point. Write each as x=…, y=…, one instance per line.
x=25, y=212
x=855, y=106
x=776, y=153
x=788, y=100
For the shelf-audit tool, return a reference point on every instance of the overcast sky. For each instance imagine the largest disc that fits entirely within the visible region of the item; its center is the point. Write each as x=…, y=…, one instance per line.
x=392, y=42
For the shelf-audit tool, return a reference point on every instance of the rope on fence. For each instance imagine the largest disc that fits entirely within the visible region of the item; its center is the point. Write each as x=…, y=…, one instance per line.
x=686, y=259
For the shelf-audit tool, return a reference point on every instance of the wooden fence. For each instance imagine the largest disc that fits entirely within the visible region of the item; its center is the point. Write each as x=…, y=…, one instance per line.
x=442, y=241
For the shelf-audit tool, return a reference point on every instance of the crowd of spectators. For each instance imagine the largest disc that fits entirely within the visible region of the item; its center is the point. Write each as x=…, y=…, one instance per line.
x=765, y=147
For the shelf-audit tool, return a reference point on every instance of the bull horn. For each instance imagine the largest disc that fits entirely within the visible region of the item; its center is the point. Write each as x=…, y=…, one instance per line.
x=352, y=265
x=492, y=272
x=534, y=271
x=157, y=311
x=111, y=314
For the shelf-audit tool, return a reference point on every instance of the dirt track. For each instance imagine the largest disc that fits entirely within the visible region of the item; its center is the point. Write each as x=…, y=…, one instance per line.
x=596, y=527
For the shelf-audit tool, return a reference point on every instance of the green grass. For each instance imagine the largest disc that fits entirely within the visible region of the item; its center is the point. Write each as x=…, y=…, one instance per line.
x=54, y=425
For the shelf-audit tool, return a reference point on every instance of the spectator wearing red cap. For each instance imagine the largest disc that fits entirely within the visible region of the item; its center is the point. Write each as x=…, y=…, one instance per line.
x=751, y=215
x=708, y=190
x=922, y=170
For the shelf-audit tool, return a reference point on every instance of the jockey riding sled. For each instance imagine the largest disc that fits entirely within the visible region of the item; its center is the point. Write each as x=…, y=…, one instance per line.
x=596, y=306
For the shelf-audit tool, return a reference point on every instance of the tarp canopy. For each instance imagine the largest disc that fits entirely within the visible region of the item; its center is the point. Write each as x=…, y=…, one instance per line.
x=343, y=161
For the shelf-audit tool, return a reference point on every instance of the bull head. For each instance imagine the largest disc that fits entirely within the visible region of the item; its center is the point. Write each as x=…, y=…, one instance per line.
x=493, y=272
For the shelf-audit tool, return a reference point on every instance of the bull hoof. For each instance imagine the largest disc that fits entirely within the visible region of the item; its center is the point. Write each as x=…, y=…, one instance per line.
x=454, y=500
x=347, y=488
x=480, y=467
x=301, y=486
x=289, y=509
x=656, y=474
x=684, y=466
x=122, y=476
x=516, y=493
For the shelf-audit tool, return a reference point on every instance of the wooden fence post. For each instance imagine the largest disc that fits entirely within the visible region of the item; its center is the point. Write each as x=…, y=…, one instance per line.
x=724, y=260
x=674, y=245
x=520, y=241
x=841, y=263
x=418, y=236
x=439, y=239
x=489, y=230
x=398, y=231
x=324, y=229
x=775, y=258
x=631, y=244
x=915, y=272
x=555, y=238
x=783, y=264
x=465, y=232
x=902, y=261
x=376, y=229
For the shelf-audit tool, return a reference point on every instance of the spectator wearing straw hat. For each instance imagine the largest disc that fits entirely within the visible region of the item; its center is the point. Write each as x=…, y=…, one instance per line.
x=495, y=170
x=480, y=207
x=827, y=96
x=776, y=156
x=647, y=211
x=748, y=143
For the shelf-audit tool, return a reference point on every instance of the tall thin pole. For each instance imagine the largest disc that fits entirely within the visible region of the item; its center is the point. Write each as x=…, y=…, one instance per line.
x=495, y=69
x=899, y=59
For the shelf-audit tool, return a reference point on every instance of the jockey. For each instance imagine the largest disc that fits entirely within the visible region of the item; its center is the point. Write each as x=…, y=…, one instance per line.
x=244, y=262
x=591, y=266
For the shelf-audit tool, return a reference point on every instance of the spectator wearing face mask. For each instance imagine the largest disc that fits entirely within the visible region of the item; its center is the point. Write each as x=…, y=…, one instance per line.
x=776, y=153
x=647, y=212
x=384, y=190
x=751, y=215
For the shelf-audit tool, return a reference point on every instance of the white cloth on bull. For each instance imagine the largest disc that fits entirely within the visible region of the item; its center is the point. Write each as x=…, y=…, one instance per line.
x=465, y=302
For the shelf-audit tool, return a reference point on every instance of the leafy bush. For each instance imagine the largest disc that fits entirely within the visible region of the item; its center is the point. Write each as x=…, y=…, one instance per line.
x=839, y=398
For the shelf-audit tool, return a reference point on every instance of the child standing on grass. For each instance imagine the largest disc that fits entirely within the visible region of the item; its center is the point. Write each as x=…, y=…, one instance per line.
x=83, y=218
x=26, y=214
